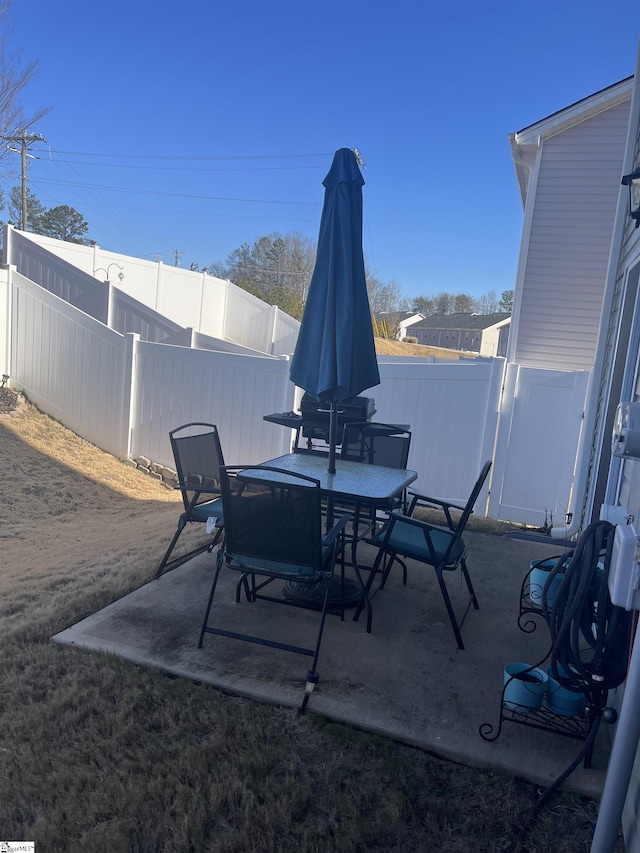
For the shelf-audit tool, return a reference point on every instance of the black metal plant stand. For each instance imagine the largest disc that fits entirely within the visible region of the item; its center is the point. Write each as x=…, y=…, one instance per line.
x=543, y=718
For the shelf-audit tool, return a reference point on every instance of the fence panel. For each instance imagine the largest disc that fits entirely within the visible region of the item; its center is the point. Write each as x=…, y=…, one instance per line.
x=540, y=421
x=69, y=365
x=59, y=277
x=127, y=314
x=285, y=334
x=452, y=411
x=248, y=320
x=201, y=341
x=174, y=386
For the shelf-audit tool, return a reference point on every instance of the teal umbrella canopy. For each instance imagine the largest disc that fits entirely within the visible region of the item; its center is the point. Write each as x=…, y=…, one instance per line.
x=335, y=355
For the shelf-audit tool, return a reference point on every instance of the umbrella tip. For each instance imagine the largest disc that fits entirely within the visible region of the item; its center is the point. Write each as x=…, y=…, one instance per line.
x=359, y=159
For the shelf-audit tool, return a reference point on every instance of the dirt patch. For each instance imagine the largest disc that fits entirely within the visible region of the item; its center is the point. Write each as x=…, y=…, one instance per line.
x=8, y=401
x=65, y=502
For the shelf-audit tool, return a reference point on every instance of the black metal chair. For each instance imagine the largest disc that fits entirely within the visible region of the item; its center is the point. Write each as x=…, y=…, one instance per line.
x=198, y=457
x=442, y=548
x=377, y=444
x=273, y=532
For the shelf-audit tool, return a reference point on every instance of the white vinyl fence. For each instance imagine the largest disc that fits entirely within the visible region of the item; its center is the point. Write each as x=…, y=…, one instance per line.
x=124, y=395
x=71, y=366
x=177, y=385
x=85, y=276
x=537, y=443
x=452, y=407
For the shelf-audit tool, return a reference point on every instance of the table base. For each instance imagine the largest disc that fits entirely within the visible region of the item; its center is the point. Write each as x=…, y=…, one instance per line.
x=312, y=594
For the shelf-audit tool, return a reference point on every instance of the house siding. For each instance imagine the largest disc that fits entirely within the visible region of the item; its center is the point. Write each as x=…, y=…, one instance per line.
x=562, y=281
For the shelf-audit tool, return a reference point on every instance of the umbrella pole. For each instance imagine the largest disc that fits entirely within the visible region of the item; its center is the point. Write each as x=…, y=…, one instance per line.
x=333, y=428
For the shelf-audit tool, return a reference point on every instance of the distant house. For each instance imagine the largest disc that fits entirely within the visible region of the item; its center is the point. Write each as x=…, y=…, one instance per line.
x=398, y=320
x=486, y=334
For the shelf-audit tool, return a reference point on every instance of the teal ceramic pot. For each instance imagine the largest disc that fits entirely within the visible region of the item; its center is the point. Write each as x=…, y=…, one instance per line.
x=537, y=579
x=561, y=701
x=525, y=687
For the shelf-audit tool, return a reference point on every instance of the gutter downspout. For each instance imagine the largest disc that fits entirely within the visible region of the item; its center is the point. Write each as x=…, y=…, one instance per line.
x=590, y=441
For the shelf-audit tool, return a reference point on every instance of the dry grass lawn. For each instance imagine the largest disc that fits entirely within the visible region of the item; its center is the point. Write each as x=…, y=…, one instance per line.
x=392, y=347
x=99, y=755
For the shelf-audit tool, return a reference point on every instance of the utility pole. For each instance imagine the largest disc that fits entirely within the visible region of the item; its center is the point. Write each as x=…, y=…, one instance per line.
x=176, y=255
x=24, y=139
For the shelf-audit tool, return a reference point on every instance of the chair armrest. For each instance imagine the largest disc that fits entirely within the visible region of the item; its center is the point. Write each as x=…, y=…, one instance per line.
x=418, y=497
x=424, y=500
x=337, y=529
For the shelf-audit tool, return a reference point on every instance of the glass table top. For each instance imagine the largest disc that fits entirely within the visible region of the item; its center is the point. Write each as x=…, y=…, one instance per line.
x=351, y=479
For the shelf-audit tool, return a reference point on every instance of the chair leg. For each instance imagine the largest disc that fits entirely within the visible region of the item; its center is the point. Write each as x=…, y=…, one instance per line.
x=312, y=674
x=250, y=592
x=166, y=564
x=176, y=536
x=393, y=558
x=448, y=605
x=364, y=601
x=465, y=572
x=219, y=564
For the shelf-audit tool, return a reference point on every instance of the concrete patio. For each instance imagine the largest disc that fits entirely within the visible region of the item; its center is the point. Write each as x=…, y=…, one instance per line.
x=406, y=680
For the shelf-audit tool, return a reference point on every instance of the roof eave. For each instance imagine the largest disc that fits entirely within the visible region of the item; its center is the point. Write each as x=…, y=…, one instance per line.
x=525, y=143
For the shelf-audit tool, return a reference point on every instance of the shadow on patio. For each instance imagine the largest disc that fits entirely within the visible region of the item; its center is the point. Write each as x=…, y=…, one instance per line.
x=407, y=679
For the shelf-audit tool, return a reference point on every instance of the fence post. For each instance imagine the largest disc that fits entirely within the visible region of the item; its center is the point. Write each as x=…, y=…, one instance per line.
x=274, y=326
x=6, y=314
x=129, y=396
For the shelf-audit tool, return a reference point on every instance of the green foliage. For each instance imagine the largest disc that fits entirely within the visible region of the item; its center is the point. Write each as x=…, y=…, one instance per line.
x=277, y=268
x=64, y=223
x=61, y=222
x=35, y=210
x=506, y=301
x=462, y=303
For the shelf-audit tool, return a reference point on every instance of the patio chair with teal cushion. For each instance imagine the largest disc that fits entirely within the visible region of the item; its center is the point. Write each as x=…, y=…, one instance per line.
x=198, y=458
x=273, y=532
x=377, y=444
x=442, y=548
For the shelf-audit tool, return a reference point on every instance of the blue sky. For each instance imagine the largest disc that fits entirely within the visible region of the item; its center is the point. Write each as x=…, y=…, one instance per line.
x=198, y=125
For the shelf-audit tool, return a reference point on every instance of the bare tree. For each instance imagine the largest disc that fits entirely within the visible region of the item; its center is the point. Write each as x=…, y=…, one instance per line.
x=14, y=78
x=384, y=297
x=488, y=303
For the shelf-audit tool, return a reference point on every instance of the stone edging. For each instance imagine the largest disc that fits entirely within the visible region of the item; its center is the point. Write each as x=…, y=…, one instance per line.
x=165, y=475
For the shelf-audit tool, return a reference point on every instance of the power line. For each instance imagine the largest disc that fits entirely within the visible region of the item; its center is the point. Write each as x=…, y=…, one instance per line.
x=182, y=195
x=191, y=168
x=191, y=156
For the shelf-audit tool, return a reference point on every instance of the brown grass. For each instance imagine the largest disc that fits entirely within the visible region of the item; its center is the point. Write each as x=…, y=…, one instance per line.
x=97, y=754
x=392, y=347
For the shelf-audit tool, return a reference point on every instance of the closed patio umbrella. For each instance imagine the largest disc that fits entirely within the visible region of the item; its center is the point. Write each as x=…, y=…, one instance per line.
x=335, y=356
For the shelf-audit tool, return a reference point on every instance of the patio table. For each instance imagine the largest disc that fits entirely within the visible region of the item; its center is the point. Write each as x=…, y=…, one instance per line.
x=354, y=483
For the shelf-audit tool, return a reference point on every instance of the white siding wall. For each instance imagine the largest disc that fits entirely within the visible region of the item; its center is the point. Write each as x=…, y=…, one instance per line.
x=559, y=295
